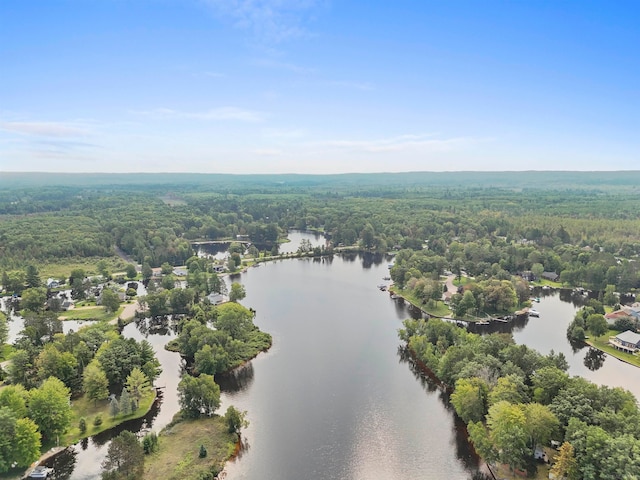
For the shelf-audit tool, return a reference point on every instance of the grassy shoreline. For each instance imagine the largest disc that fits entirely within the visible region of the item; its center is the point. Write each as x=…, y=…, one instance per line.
x=601, y=343
x=179, y=443
x=89, y=410
x=440, y=310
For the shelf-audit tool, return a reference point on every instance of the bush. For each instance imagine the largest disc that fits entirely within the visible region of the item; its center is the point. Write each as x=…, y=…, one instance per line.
x=150, y=443
x=97, y=421
x=622, y=324
x=203, y=452
x=82, y=425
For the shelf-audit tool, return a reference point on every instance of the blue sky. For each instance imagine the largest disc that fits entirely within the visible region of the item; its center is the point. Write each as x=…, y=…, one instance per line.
x=318, y=86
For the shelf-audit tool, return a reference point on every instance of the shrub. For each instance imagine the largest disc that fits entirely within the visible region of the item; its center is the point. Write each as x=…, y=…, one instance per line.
x=82, y=425
x=203, y=451
x=150, y=443
x=97, y=421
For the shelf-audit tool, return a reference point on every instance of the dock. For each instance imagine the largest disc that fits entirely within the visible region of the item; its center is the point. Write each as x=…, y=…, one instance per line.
x=45, y=456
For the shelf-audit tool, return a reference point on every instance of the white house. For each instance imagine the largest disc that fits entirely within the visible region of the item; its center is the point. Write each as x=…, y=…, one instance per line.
x=215, y=298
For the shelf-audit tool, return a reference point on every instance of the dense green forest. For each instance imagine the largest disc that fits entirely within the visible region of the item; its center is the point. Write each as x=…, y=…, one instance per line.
x=582, y=226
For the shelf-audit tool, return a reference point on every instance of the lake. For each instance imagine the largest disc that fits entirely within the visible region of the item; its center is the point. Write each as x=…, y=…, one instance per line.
x=335, y=397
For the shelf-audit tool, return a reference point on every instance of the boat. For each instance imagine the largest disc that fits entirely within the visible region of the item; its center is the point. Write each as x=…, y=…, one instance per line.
x=40, y=472
x=395, y=297
x=386, y=278
x=533, y=313
x=382, y=287
x=537, y=299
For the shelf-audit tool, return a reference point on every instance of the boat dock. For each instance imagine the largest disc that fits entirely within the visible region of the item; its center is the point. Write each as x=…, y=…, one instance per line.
x=45, y=456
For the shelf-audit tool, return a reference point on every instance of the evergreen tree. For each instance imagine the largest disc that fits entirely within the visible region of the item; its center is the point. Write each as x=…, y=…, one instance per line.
x=125, y=402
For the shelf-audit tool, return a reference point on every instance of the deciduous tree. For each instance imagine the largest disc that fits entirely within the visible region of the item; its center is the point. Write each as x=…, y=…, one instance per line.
x=110, y=300
x=198, y=395
x=236, y=420
x=137, y=385
x=50, y=407
x=237, y=292
x=566, y=465
x=507, y=427
x=470, y=399
x=95, y=383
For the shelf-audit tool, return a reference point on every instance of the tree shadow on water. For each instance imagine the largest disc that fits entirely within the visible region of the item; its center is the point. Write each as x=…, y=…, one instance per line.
x=594, y=359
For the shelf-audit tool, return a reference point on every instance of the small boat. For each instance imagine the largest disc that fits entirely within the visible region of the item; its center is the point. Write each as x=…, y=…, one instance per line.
x=533, y=313
x=537, y=299
x=386, y=278
x=40, y=472
x=382, y=287
x=395, y=297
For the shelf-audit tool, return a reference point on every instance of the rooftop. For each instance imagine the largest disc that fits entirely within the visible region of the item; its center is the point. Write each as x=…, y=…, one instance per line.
x=629, y=337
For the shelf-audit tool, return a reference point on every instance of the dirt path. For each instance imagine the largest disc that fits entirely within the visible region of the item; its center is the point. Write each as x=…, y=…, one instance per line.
x=128, y=313
x=127, y=258
x=451, y=288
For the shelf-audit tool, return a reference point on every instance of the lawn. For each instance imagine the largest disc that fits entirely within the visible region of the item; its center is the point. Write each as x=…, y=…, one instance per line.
x=63, y=268
x=177, y=458
x=88, y=409
x=544, y=282
x=462, y=281
x=437, y=309
x=91, y=313
x=601, y=344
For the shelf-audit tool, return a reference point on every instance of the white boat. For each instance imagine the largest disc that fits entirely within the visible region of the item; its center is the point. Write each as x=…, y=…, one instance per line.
x=40, y=472
x=533, y=313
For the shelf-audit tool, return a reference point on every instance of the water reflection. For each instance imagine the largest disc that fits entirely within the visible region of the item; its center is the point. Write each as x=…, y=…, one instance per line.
x=594, y=359
x=63, y=464
x=238, y=380
x=464, y=451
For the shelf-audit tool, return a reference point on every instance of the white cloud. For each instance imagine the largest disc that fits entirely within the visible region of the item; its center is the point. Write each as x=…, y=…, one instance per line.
x=269, y=20
x=214, y=114
x=45, y=129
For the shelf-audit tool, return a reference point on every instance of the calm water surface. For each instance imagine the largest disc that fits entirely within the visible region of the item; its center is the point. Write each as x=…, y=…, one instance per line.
x=333, y=399
x=548, y=332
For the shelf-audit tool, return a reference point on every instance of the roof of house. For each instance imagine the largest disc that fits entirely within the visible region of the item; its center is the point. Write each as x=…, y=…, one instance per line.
x=616, y=314
x=629, y=337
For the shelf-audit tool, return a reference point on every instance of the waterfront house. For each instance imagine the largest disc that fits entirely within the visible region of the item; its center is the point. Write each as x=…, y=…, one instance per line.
x=552, y=276
x=215, y=298
x=527, y=275
x=611, y=317
x=632, y=310
x=626, y=341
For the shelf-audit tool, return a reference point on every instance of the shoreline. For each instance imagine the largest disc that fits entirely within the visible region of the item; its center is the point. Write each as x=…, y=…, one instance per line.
x=612, y=355
x=426, y=371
